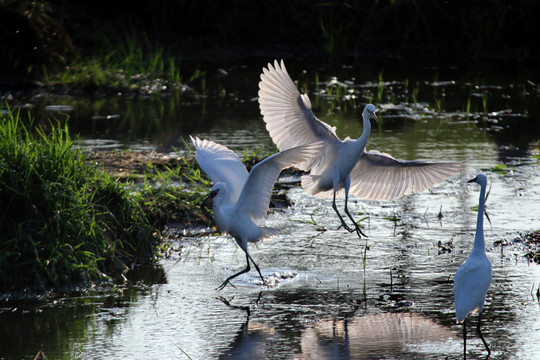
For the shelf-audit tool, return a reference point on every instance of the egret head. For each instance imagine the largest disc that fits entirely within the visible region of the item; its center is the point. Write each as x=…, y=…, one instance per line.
x=369, y=111
x=479, y=179
x=216, y=189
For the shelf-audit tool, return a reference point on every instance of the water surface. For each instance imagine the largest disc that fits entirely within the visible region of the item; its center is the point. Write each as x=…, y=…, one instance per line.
x=327, y=301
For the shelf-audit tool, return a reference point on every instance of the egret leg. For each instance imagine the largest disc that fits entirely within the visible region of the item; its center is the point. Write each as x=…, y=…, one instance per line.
x=465, y=338
x=248, y=257
x=235, y=275
x=256, y=267
x=480, y=333
x=345, y=226
x=357, y=228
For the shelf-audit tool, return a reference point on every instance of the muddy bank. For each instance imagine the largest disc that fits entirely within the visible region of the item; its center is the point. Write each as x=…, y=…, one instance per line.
x=131, y=165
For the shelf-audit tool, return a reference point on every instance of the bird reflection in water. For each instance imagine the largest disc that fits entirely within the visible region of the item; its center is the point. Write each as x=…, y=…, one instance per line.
x=369, y=336
x=250, y=340
x=374, y=336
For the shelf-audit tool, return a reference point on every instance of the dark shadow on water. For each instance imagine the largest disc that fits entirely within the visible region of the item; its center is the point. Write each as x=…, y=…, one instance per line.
x=58, y=326
x=147, y=274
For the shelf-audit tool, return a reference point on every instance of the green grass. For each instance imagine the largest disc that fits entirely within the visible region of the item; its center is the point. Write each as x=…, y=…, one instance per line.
x=86, y=73
x=468, y=106
x=380, y=89
x=131, y=63
x=485, y=96
x=164, y=201
x=420, y=32
x=415, y=93
x=137, y=55
x=501, y=169
x=63, y=223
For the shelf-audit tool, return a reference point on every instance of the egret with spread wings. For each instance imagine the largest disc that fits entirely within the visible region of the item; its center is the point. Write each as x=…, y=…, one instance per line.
x=341, y=166
x=241, y=199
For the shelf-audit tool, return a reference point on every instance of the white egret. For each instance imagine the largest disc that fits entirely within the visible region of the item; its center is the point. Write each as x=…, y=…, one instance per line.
x=473, y=278
x=240, y=199
x=342, y=166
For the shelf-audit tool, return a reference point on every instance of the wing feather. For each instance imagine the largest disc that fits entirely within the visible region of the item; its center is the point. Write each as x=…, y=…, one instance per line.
x=221, y=165
x=379, y=176
x=255, y=196
x=287, y=114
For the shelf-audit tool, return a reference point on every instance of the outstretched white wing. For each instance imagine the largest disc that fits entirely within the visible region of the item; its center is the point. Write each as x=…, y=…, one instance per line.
x=288, y=115
x=255, y=196
x=379, y=176
x=221, y=165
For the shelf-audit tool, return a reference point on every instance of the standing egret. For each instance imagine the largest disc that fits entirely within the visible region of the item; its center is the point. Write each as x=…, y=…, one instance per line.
x=340, y=164
x=241, y=199
x=473, y=278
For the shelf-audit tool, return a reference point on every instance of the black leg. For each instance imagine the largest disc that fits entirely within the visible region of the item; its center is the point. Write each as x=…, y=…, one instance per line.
x=345, y=226
x=357, y=228
x=465, y=339
x=248, y=258
x=480, y=333
x=237, y=274
x=256, y=267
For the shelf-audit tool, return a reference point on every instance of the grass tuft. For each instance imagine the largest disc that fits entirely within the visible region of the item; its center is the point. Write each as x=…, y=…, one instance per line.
x=130, y=64
x=63, y=223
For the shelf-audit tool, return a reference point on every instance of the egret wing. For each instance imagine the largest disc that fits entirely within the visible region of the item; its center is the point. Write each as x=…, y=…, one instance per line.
x=379, y=176
x=471, y=283
x=221, y=165
x=287, y=113
x=255, y=196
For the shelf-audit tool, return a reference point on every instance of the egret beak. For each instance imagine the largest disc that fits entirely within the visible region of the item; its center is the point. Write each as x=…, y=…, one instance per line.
x=372, y=113
x=472, y=180
x=210, y=196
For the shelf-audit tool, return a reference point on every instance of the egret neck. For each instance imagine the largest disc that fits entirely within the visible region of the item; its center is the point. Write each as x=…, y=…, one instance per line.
x=363, y=139
x=479, y=237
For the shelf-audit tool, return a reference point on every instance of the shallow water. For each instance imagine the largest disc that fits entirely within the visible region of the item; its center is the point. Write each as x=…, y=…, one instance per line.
x=324, y=303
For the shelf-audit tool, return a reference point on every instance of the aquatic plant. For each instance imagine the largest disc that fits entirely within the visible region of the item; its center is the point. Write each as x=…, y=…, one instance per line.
x=380, y=89
x=468, y=106
x=415, y=91
x=501, y=169
x=485, y=96
x=198, y=74
x=128, y=63
x=418, y=32
x=63, y=223
x=438, y=104
x=88, y=73
x=333, y=31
